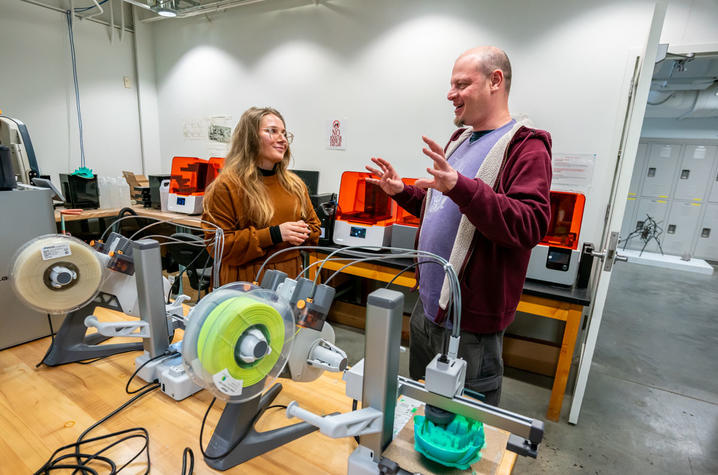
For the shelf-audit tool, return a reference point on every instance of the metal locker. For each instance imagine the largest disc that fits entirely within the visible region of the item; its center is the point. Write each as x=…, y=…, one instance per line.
x=694, y=173
x=713, y=195
x=656, y=209
x=661, y=163
x=634, y=189
x=680, y=228
x=629, y=217
x=707, y=242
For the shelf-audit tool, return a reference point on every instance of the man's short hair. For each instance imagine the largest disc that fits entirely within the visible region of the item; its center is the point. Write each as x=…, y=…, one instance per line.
x=493, y=59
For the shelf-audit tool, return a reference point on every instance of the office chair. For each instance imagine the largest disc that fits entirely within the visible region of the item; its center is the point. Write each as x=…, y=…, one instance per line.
x=192, y=259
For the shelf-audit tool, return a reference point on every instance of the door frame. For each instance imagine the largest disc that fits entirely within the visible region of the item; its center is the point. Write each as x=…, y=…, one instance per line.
x=628, y=147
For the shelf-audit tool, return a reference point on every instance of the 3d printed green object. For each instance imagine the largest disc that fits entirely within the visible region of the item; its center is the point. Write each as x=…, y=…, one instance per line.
x=455, y=445
x=83, y=172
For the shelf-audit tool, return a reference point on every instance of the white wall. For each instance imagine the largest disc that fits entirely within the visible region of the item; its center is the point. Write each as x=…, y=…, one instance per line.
x=36, y=87
x=385, y=66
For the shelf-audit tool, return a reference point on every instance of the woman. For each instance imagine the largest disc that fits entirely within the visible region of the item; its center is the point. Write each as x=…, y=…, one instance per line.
x=261, y=206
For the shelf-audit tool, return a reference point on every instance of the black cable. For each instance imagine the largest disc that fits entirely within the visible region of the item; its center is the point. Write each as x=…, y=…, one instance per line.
x=93, y=360
x=145, y=436
x=236, y=443
x=52, y=339
x=127, y=403
x=354, y=408
x=81, y=465
x=52, y=330
x=200, y=279
x=187, y=453
x=163, y=355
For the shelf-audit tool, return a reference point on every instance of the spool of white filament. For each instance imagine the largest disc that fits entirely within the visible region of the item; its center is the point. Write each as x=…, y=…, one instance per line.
x=56, y=273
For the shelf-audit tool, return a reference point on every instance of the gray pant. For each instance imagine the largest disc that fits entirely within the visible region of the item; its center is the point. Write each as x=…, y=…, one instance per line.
x=482, y=353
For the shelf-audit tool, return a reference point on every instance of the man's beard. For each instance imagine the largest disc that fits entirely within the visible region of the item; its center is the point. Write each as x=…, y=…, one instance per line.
x=458, y=122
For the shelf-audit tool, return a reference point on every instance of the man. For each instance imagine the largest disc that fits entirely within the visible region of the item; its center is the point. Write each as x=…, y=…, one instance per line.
x=484, y=206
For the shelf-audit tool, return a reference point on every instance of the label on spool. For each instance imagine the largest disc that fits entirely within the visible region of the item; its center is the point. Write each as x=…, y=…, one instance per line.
x=227, y=384
x=54, y=251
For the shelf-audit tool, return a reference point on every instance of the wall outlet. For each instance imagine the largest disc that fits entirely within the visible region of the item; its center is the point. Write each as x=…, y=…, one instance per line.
x=126, y=82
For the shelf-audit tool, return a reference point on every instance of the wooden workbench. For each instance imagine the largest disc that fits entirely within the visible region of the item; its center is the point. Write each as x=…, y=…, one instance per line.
x=178, y=218
x=44, y=408
x=537, y=299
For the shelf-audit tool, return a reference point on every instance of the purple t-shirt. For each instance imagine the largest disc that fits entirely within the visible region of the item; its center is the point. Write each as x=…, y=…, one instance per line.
x=442, y=217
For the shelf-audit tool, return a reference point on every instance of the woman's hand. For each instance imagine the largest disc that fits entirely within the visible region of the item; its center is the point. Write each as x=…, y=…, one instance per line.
x=294, y=232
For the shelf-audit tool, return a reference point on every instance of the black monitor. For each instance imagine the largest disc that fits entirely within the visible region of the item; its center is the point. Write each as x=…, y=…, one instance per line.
x=310, y=178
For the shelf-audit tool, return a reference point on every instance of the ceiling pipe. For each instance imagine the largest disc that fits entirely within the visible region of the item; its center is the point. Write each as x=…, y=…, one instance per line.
x=214, y=7
x=683, y=104
x=63, y=10
x=139, y=3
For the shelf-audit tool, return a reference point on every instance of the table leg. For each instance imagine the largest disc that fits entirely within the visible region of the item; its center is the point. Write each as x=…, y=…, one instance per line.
x=573, y=321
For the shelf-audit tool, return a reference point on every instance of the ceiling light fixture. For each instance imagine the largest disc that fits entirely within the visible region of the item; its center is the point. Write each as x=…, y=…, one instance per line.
x=166, y=12
x=165, y=8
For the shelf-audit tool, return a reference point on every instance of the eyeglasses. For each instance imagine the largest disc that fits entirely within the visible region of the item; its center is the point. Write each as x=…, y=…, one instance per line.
x=274, y=132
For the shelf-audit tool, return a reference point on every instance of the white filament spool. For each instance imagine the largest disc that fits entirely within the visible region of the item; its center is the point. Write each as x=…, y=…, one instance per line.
x=56, y=273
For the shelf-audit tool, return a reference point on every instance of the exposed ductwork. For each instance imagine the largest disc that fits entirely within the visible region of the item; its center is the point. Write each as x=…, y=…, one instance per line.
x=684, y=87
x=683, y=104
x=186, y=8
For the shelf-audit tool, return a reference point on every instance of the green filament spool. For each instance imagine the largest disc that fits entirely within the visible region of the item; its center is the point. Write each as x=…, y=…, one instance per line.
x=222, y=330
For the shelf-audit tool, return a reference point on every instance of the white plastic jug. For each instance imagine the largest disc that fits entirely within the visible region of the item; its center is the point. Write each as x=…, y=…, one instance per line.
x=164, y=194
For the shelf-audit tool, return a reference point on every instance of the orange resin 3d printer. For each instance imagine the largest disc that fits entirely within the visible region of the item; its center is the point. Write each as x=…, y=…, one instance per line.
x=365, y=214
x=556, y=258
x=190, y=178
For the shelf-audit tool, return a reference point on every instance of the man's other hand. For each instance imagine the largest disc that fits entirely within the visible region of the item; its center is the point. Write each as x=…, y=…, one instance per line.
x=445, y=177
x=389, y=180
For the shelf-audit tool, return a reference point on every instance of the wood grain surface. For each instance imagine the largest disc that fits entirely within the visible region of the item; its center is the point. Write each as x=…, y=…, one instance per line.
x=44, y=408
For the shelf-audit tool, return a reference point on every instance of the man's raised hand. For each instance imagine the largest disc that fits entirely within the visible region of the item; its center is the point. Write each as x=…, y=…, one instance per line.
x=444, y=176
x=389, y=180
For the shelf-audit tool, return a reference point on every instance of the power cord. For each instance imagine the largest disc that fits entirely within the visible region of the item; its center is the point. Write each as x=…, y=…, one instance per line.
x=236, y=442
x=52, y=339
x=187, y=454
x=84, y=459
x=354, y=408
x=166, y=354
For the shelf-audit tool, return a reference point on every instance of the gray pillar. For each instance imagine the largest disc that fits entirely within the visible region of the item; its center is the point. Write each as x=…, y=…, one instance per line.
x=150, y=294
x=384, y=312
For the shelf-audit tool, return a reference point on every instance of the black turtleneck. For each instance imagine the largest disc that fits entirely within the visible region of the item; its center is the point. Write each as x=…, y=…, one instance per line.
x=274, y=231
x=271, y=172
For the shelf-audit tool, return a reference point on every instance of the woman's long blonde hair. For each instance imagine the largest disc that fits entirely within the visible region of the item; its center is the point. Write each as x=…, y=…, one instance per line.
x=241, y=167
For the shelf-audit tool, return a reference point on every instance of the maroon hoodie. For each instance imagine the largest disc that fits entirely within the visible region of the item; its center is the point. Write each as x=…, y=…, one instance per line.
x=510, y=220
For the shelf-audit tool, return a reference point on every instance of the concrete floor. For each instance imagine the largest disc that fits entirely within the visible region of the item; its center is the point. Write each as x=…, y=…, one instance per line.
x=651, y=405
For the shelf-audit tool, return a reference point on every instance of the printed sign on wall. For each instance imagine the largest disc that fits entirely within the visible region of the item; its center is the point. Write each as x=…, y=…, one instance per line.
x=336, y=134
x=572, y=171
